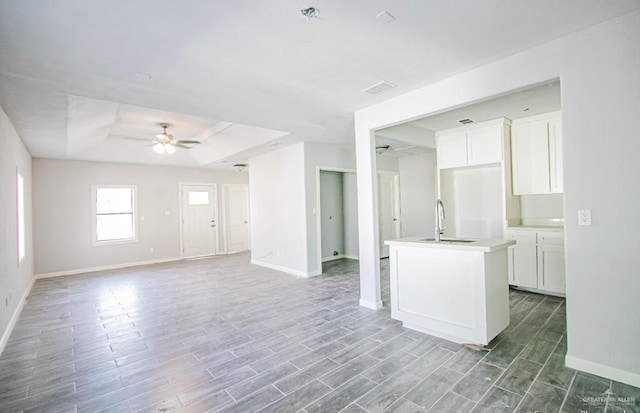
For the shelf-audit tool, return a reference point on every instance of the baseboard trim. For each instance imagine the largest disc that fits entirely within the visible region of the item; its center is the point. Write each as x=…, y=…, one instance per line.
x=373, y=305
x=537, y=291
x=16, y=314
x=623, y=376
x=299, y=274
x=105, y=267
x=339, y=257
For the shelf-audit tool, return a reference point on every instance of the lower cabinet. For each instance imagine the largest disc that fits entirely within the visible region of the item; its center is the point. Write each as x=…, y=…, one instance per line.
x=537, y=260
x=523, y=266
x=551, y=268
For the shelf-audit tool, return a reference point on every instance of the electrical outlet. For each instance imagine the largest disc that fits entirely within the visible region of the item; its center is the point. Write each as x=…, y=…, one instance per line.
x=584, y=217
x=152, y=250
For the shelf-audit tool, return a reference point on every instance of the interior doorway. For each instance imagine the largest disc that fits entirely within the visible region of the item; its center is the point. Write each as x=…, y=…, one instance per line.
x=235, y=207
x=198, y=219
x=338, y=213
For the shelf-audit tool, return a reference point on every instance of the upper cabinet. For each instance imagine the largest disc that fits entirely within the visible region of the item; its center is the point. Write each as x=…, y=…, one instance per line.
x=471, y=145
x=536, y=154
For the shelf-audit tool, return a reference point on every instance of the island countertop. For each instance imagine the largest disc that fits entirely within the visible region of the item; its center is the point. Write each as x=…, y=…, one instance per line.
x=479, y=245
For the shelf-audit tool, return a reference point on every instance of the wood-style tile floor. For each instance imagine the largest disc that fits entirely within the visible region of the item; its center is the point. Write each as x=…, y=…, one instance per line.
x=223, y=335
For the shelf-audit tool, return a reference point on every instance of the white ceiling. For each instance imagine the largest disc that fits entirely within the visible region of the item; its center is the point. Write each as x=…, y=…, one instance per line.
x=246, y=62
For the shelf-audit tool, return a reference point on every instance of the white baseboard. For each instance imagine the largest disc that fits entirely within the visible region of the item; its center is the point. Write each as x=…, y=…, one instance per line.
x=300, y=274
x=339, y=257
x=623, y=376
x=16, y=314
x=373, y=305
x=106, y=267
x=537, y=291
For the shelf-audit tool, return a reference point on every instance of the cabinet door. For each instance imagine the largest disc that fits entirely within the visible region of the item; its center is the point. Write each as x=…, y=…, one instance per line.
x=551, y=268
x=555, y=156
x=522, y=266
x=530, y=158
x=452, y=150
x=484, y=145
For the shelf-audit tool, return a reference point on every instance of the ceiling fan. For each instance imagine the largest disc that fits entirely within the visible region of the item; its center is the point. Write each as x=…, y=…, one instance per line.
x=166, y=144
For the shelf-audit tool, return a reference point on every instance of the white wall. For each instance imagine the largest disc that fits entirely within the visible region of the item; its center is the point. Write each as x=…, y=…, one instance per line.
x=15, y=278
x=534, y=208
x=62, y=211
x=350, y=207
x=331, y=214
x=599, y=69
x=478, y=198
x=417, y=194
x=278, y=210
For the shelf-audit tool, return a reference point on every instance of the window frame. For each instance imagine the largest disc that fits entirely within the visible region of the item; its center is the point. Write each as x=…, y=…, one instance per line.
x=94, y=216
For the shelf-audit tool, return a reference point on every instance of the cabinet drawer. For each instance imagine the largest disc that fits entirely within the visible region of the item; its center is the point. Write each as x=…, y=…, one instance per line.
x=522, y=237
x=550, y=238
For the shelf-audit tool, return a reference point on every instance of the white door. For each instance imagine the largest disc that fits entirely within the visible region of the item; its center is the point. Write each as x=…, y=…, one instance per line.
x=199, y=220
x=236, y=217
x=388, y=210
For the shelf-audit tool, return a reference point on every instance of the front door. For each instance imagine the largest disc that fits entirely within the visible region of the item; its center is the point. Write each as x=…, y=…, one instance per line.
x=236, y=217
x=199, y=220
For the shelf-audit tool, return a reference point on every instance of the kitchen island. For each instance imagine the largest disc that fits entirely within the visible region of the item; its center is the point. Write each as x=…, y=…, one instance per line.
x=455, y=289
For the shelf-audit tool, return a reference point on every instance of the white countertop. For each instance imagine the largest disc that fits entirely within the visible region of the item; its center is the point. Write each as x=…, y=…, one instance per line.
x=480, y=245
x=557, y=228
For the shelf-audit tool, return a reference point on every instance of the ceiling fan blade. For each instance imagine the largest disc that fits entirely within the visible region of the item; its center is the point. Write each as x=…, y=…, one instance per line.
x=189, y=142
x=179, y=145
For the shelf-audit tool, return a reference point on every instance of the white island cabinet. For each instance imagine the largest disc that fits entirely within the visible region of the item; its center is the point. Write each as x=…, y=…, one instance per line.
x=458, y=291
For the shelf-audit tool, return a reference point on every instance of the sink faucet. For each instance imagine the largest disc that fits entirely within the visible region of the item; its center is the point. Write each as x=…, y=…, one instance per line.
x=440, y=227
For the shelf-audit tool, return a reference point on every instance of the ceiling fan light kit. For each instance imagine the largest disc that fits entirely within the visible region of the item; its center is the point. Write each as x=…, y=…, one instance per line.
x=164, y=148
x=165, y=144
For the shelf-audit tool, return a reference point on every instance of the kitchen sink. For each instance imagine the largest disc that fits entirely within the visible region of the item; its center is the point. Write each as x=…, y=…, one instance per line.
x=449, y=240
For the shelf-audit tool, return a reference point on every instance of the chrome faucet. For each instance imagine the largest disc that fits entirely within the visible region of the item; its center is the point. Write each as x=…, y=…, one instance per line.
x=440, y=227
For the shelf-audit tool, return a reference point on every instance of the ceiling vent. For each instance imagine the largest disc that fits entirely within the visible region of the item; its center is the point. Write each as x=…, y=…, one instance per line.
x=379, y=88
x=465, y=121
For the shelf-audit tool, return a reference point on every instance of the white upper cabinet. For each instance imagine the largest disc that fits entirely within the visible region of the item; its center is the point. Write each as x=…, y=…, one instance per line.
x=555, y=156
x=471, y=145
x=536, y=154
x=452, y=150
x=484, y=145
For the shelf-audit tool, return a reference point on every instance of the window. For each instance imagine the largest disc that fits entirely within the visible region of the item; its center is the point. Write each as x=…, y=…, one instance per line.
x=114, y=214
x=20, y=216
x=198, y=198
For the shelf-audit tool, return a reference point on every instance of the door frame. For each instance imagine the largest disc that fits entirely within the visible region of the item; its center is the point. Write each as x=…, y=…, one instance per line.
x=225, y=224
x=214, y=186
x=317, y=208
x=396, y=202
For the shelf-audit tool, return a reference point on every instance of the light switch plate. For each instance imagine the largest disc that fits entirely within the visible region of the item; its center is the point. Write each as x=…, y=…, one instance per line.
x=584, y=217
